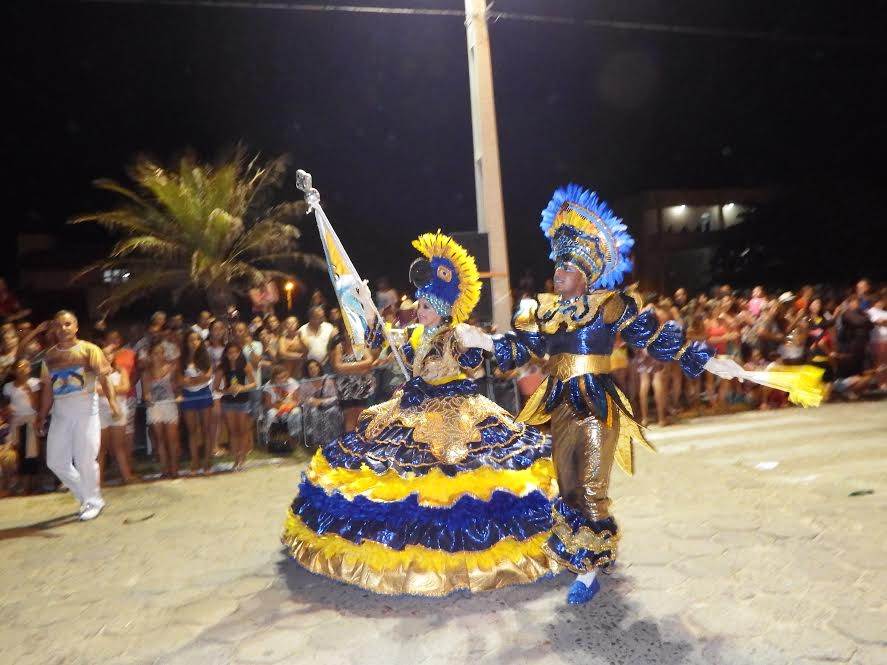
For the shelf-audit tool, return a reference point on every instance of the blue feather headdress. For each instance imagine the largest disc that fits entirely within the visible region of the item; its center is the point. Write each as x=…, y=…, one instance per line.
x=584, y=231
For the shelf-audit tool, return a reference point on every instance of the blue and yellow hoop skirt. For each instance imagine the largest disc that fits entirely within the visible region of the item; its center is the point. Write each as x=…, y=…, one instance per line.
x=438, y=489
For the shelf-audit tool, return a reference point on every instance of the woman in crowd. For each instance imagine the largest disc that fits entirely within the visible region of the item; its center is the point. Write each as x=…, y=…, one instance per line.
x=674, y=377
x=820, y=337
x=197, y=400
x=652, y=373
x=114, y=429
x=236, y=379
x=123, y=357
x=695, y=332
x=723, y=336
x=354, y=378
x=269, y=356
x=215, y=347
x=321, y=415
x=23, y=393
x=160, y=387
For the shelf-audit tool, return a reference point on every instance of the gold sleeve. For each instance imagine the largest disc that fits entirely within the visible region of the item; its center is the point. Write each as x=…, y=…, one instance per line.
x=613, y=307
x=525, y=320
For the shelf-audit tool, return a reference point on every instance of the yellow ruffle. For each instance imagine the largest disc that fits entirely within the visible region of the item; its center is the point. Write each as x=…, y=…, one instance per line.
x=416, y=570
x=435, y=488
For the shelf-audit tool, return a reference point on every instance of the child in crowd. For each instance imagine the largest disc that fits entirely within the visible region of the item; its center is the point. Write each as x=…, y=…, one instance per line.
x=281, y=401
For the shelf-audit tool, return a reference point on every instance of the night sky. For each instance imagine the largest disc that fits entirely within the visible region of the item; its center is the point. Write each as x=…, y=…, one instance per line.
x=377, y=107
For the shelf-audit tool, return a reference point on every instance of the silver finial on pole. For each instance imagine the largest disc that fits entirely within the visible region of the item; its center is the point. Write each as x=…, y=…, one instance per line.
x=303, y=182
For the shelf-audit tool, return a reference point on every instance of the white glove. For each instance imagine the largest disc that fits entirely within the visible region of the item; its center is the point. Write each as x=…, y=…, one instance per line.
x=470, y=337
x=725, y=368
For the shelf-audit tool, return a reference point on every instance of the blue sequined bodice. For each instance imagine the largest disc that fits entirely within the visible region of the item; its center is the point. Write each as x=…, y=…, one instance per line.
x=596, y=338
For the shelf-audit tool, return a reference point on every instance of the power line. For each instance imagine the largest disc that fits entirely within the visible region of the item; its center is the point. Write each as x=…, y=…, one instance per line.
x=495, y=16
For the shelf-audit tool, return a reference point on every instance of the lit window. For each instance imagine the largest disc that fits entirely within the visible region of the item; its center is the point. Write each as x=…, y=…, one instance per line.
x=115, y=275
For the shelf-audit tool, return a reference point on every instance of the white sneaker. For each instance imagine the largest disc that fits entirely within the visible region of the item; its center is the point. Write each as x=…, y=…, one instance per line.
x=91, y=511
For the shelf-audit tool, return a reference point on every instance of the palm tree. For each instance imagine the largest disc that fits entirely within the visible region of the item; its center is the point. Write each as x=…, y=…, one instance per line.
x=201, y=227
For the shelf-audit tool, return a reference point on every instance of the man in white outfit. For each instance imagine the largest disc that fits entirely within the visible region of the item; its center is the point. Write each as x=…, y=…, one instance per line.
x=70, y=371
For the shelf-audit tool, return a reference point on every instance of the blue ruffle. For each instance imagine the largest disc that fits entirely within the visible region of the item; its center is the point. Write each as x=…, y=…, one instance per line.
x=469, y=525
x=694, y=358
x=394, y=448
x=582, y=559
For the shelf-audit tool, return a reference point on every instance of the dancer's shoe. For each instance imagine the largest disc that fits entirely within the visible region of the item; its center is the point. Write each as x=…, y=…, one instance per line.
x=580, y=593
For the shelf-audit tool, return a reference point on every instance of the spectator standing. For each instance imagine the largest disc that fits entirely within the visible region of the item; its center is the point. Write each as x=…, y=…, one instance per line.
x=215, y=347
x=290, y=349
x=156, y=333
x=723, y=336
x=160, y=385
x=386, y=295
x=316, y=335
x=355, y=381
x=23, y=394
x=124, y=358
x=321, y=414
x=197, y=400
x=820, y=338
x=236, y=380
x=251, y=348
x=201, y=327
x=216, y=340
x=853, y=337
x=114, y=427
x=864, y=294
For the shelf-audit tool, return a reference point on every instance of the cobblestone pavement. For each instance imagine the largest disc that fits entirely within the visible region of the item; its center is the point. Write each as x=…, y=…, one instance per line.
x=742, y=544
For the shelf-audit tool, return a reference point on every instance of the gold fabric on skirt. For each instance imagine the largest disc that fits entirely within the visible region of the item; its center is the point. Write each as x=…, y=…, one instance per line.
x=417, y=570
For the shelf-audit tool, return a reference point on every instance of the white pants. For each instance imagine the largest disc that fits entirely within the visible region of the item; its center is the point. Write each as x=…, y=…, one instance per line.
x=72, y=446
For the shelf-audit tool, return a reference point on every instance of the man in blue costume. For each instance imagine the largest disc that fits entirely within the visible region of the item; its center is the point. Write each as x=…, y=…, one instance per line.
x=591, y=420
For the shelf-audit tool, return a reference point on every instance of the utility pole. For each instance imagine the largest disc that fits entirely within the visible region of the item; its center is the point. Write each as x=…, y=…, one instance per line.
x=487, y=175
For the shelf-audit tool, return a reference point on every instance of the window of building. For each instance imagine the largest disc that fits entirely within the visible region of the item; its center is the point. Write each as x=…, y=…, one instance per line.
x=115, y=275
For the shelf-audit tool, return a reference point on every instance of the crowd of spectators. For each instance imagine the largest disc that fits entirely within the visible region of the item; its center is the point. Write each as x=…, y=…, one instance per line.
x=843, y=333
x=222, y=385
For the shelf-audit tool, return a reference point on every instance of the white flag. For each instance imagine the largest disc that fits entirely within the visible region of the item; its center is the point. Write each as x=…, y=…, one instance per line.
x=359, y=312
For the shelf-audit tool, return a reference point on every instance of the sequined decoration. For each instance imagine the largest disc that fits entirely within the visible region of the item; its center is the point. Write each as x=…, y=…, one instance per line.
x=446, y=424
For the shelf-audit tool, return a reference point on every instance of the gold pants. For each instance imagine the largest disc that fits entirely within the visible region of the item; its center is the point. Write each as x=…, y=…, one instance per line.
x=582, y=451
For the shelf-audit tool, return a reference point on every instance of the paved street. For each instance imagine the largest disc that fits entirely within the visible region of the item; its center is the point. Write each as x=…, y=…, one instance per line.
x=743, y=544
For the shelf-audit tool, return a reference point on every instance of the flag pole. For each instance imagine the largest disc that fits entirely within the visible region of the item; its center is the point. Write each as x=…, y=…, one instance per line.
x=312, y=198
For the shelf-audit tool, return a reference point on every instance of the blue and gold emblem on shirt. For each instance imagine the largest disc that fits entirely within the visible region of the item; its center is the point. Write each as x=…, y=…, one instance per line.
x=68, y=380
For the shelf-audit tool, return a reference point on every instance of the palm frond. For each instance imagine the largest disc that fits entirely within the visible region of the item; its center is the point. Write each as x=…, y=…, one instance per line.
x=148, y=244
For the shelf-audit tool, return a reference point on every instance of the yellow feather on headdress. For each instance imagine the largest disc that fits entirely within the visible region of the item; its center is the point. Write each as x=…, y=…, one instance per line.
x=440, y=246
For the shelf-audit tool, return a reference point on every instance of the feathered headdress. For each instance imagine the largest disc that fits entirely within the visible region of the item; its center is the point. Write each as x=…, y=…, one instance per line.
x=584, y=231
x=447, y=277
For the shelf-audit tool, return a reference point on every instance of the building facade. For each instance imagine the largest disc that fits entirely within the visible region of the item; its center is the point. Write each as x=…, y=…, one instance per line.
x=678, y=231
